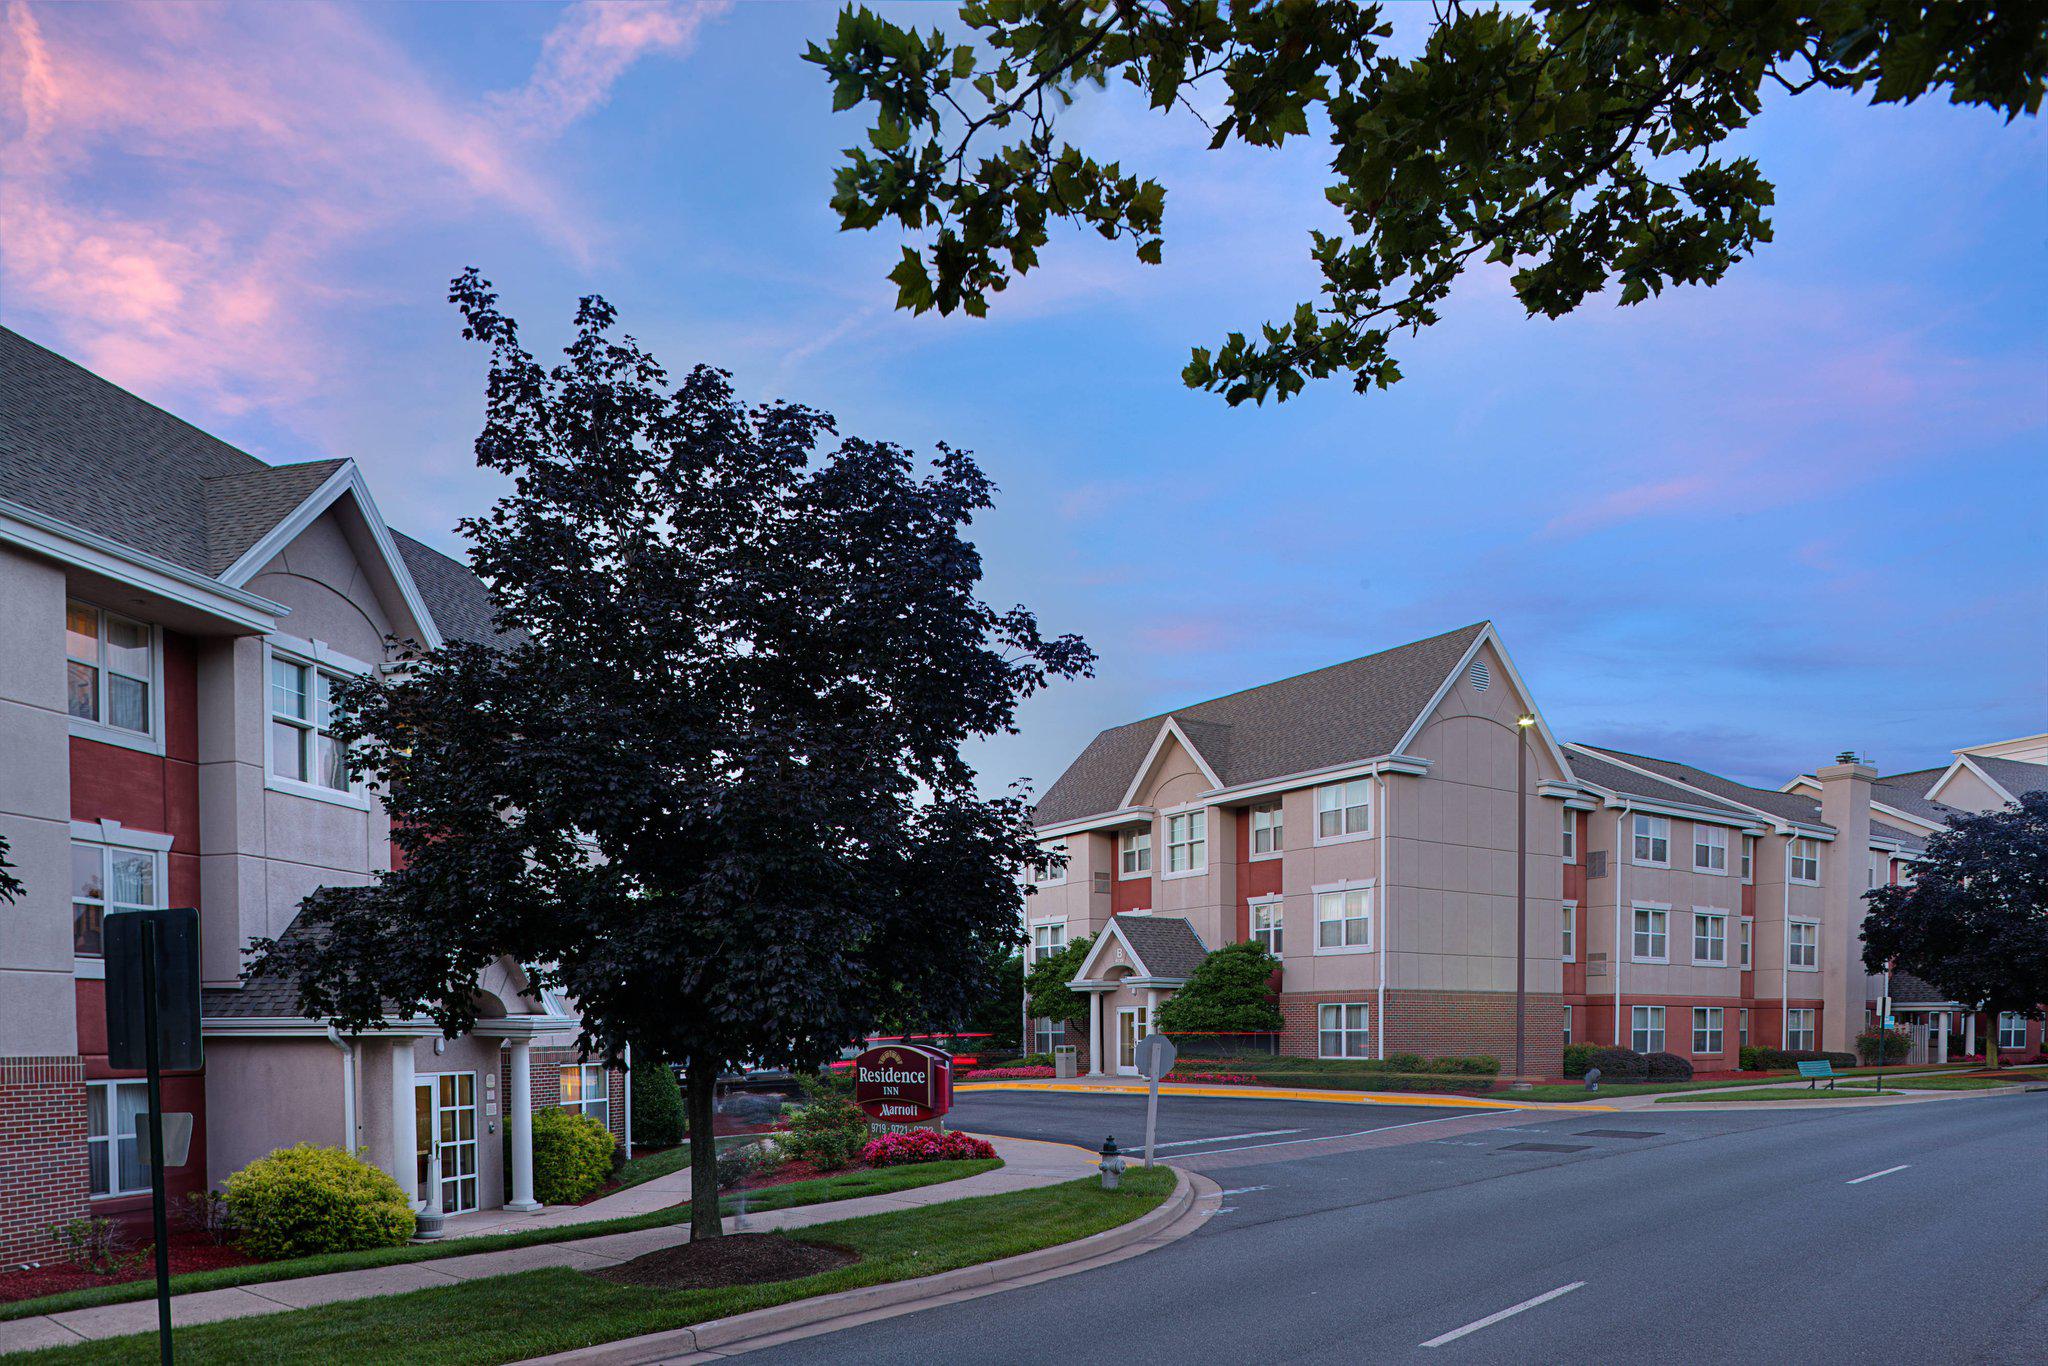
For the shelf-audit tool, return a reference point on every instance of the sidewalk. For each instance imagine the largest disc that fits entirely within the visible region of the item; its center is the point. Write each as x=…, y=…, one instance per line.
x=1127, y=1086
x=1026, y=1164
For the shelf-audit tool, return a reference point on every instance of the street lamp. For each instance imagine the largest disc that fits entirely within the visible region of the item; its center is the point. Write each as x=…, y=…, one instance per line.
x=1523, y=723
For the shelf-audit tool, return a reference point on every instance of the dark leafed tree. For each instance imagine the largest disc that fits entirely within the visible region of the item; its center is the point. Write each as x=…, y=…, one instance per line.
x=1579, y=143
x=1975, y=924
x=1046, y=993
x=1230, y=993
x=10, y=885
x=711, y=787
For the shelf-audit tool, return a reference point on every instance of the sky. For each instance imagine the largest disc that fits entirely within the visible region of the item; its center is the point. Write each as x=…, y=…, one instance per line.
x=1747, y=526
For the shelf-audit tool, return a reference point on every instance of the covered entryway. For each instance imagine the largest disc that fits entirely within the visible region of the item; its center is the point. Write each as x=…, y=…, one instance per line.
x=1137, y=962
x=445, y=1114
x=1133, y=1023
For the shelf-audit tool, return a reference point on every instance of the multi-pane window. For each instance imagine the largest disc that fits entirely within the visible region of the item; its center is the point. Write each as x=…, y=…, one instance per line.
x=1651, y=944
x=1047, y=1035
x=1799, y=1029
x=1266, y=830
x=1567, y=1026
x=1342, y=1031
x=301, y=713
x=1569, y=923
x=1344, y=919
x=1047, y=940
x=1709, y=849
x=1802, y=944
x=1646, y=1029
x=1749, y=858
x=107, y=663
x=1344, y=809
x=114, y=1111
x=1742, y=1028
x=1653, y=841
x=1568, y=835
x=1053, y=871
x=1706, y=1029
x=1134, y=851
x=1267, y=928
x=1748, y=943
x=1710, y=938
x=586, y=1089
x=1187, y=842
x=2012, y=1029
x=1803, y=860
x=106, y=878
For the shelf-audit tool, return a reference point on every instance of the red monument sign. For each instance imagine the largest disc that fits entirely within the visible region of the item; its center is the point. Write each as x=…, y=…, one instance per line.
x=901, y=1083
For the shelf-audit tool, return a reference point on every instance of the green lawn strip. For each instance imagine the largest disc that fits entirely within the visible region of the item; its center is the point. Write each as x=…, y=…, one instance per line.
x=841, y=1186
x=1783, y=1093
x=1576, y=1091
x=508, y=1318
x=1910, y=1083
x=666, y=1162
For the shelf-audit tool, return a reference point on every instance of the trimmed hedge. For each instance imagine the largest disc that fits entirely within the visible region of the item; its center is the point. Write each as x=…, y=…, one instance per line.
x=1758, y=1059
x=1619, y=1064
x=657, y=1104
x=828, y=1132
x=305, y=1200
x=1669, y=1067
x=572, y=1156
x=1896, y=1044
x=1578, y=1057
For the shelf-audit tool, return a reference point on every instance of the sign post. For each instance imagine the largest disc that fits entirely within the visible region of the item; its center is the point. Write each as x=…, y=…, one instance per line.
x=152, y=962
x=1155, y=1056
x=903, y=1083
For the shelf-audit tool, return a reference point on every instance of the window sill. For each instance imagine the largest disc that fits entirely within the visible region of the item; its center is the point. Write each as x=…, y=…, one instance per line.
x=1134, y=877
x=1338, y=951
x=1185, y=873
x=1796, y=968
x=1650, y=863
x=89, y=969
x=1354, y=838
x=1652, y=962
x=1264, y=858
x=1709, y=963
x=113, y=735
x=1710, y=872
x=292, y=787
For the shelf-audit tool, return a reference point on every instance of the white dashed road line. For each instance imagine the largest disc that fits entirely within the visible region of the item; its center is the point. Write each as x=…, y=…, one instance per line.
x=1313, y=1138
x=1225, y=1138
x=1874, y=1175
x=1508, y=1312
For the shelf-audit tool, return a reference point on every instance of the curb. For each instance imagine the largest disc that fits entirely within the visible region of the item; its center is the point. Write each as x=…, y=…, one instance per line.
x=1193, y=1198
x=1411, y=1098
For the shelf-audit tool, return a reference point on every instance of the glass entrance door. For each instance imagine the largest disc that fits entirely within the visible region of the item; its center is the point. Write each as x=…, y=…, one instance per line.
x=1130, y=1029
x=447, y=1117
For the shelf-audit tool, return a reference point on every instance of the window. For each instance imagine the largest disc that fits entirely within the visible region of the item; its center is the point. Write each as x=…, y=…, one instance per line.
x=1709, y=849
x=1651, y=945
x=1266, y=826
x=586, y=1089
x=1267, y=928
x=1341, y=1031
x=1053, y=872
x=108, y=664
x=1804, y=860
x=1569, y=922
x=301, y=711
x=1047, y=1035
x=2012, y=1030
x=1802, y=945
x=1907, y=874
x=1047, y=940
x=1706, y=1030
x=1135, y=852
x=1748, y=943
x=1710, y=939
x=1653, y=841
x=114, y=1111
x=1568, y=835
x=1567, y=1026
x=1344, y=919
x=1799, y=1029
x=1742, y=1028
x=106, y=878
x=1646, y=1024
x=1344, y=810
x=1749, y=858
x=1187, y=842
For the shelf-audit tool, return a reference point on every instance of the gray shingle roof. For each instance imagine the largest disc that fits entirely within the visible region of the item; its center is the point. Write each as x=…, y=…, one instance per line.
x=1616, y=778
x=1790, y=806
x=242, y=508
x=1338, y=715
x=258, y=998
x=1166, y=944
x=1911, y=990
x=1906, y=838
x=1907, y=792
x=2013, y=775
x=456, y=598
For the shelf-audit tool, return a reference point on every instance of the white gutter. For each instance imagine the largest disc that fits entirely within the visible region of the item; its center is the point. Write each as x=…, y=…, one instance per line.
x=629, y=1102
x=1785, y=953
x=1386, y=917
x=1619, y=864
x=348, y=1088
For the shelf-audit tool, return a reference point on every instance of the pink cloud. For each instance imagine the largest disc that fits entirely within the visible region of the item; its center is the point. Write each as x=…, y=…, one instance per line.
x=1633, y=502
x=591, y=48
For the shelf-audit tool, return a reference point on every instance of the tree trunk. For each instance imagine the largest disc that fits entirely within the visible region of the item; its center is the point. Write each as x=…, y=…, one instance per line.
x=1991, y=1039
x=698, y=1105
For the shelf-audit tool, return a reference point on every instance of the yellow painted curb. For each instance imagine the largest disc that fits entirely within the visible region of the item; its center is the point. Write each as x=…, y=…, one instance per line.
x=1274, y=1093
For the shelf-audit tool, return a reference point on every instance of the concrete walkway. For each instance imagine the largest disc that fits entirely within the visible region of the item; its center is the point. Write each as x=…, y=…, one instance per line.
x=1026, y=1164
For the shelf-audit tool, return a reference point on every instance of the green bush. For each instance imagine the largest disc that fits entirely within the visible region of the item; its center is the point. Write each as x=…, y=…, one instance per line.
x=308, y=1199
x=1477, y=1065
x=827, y=1132
x=1230, y=993
x=1895, y=1045
x=1401, y=1062
x=1619, y=1064
x=1668, y=1067
x=1758, y=1059
x=572, y=1156
x=657, y=1104
x=1579, y=1056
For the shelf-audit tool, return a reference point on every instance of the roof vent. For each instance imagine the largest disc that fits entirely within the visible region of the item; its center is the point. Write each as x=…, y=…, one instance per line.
x=1479, y=676
x=1847, y=756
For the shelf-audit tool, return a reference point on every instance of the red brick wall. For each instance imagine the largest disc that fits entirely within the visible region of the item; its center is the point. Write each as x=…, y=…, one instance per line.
x=42, y=1153
x=1134, y=894
x=1253, y=879
x=547, y=1083
x=1441, y=1024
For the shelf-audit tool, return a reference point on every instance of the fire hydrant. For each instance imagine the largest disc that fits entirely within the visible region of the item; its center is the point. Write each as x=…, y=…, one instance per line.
x=1112, y=1163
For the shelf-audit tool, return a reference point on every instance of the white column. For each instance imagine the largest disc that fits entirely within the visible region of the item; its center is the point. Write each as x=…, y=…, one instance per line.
x=405, y=1137
x=1151, y=1009
x=519, y=1122
x=1943, y=1041
x=1095, y=1034
x=1970, y=1032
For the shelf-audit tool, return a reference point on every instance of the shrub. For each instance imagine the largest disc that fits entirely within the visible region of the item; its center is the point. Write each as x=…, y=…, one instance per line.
x=1231, y=992
x=734, y=1165
x=207, y=1214
x=1782, y=1059
x=657, y=1104
x=307, y=1199
x=1619, y=1064
x=1224, y=1078
x=827, y=1132
x=97, y=1245
x=1883, y=1045
x=572, y=1156
x=1399, y=1062
x=1579, y=1056
x=1669, y=1067
x=1009, y=1073
x=1475, y=1066
x=1751, y=1058
x=924, y=1145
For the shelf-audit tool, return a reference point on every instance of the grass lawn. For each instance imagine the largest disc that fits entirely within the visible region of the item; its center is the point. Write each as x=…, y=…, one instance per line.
x=1911, y=1083
x=1785, y=1093
x=508, y=1318
x=840, y=1186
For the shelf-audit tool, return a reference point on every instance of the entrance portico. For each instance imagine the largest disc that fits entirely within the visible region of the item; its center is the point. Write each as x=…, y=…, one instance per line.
x=1135, y=964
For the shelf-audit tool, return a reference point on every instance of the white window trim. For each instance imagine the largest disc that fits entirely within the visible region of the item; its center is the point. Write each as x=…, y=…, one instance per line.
x=1165, y=866
x=1372, y=916
x=1712, y=912
x=1252, y=854
x=1699, y=828
x=584, y=1098
x=1340, y=1031
x=113, y=835
x=1745, y=859
x=1570, y=908
x=1316, y=812
x=1057, y=878
x=1811, y=1029
x=317, y=655
x=1791, y=966
x=1661, y=1016
x=2005, y=1015
x=1719, y=1026
x=1635, y=906
x=1569, y=822
x=1253, y=905
x=1792, y=856
x=1652, y=837
x=1146, y=871
x=114, y=1191
x=152, y=743
x=1046, y=924
x=1745, y=946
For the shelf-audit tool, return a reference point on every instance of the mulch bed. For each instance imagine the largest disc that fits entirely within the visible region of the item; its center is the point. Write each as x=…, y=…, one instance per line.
x=735, y=1259
x=54, y=1277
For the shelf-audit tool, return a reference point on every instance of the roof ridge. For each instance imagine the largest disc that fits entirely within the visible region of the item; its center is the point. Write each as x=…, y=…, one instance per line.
x=1697, y=768
x=264, y=468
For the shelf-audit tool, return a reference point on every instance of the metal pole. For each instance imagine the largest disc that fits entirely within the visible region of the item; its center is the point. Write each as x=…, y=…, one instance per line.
x=159, y=1216
x=1521, y=902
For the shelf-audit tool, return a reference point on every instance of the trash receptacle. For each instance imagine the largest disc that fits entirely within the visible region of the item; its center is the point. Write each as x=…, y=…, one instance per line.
x=1066, y=1061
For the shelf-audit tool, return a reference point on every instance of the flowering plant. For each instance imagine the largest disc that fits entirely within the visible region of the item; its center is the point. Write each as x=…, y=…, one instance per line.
x=1231, y=1078
x=924, y=1145
x=996, y=1073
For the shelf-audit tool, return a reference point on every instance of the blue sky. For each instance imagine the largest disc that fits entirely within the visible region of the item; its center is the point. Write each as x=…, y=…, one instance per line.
x=1747, y=526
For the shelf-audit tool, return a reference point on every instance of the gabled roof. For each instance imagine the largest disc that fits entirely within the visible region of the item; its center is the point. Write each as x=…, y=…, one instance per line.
x=242, y=508
x=2013, y=777
x=1907, y=792
x=1342, y=714
x=1160, y=946
x=1790, y=806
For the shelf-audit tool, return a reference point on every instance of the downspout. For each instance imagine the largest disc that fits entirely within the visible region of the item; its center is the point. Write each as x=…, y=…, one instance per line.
x=629, y=1102
x=348, y=1087
x=1619, y=864
x=1785, y=953
x=1386, y=914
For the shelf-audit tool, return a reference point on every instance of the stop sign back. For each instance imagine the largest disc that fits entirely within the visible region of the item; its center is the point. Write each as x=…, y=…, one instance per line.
x=902, y=1083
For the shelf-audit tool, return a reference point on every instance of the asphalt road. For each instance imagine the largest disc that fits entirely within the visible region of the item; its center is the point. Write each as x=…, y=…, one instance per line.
x=1677, y=1234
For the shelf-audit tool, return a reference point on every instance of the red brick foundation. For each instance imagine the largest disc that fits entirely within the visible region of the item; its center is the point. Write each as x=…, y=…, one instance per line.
x=42, y=1153
x=1440, y=1024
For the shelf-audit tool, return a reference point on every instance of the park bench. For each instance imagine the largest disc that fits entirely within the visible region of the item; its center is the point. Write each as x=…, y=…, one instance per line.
x=1814, y=1073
